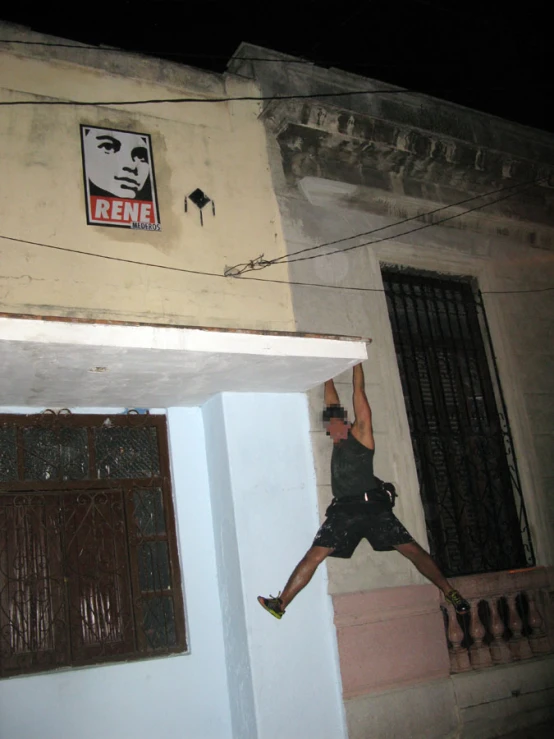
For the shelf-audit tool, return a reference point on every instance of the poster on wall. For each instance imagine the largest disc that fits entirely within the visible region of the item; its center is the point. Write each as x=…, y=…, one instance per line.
x=120, y=186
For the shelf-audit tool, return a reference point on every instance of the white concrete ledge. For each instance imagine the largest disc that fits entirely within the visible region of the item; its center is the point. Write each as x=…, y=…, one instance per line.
x=53, y=363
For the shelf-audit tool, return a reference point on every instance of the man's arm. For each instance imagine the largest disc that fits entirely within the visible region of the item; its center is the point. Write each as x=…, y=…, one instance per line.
x=331, y=397
x=362, y=427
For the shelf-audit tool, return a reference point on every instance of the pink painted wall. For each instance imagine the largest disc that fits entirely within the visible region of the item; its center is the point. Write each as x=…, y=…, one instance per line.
x=390, y=637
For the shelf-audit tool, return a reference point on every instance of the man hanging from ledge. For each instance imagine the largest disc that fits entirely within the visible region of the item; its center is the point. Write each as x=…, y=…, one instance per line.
x=361, y=507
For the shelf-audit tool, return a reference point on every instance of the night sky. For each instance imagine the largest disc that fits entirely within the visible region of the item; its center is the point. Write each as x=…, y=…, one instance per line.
x=487, y=56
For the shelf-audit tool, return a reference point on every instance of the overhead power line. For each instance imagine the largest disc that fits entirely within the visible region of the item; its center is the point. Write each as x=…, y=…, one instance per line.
x=261, y=263
x=93, y=47
x=380, y=290
x=162, y=53
x=245, y=279
x=251, y=98
x=110, y=258
x=517, y=186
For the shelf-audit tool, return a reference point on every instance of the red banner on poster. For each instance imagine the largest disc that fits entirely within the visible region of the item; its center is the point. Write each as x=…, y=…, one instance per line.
x=118, y=212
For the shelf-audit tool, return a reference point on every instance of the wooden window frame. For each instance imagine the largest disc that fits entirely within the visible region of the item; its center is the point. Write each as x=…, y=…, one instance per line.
x=40, y=511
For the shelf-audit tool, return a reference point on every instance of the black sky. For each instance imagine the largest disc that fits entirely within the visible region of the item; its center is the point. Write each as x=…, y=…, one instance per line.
x=480, y=54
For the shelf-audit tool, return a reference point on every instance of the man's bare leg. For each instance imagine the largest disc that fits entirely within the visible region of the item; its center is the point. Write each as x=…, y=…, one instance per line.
x=303, y=573
x=425, y=564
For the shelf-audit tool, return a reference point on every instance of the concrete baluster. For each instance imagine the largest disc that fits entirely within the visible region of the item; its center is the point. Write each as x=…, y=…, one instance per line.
x=545, y=597
x=538, y=639
x=519, y=644
x=479, y=653
x=459, y=658
x=499, y=649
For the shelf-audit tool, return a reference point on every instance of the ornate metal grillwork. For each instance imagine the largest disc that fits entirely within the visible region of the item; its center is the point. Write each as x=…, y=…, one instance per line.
x=461, y=438
x=88, y=556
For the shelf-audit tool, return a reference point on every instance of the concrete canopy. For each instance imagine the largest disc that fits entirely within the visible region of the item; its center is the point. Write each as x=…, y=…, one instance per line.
x=61, y=363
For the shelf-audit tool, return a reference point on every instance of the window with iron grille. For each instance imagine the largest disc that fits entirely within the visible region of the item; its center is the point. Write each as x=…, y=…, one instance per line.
x=89, y=569
x=461, y=438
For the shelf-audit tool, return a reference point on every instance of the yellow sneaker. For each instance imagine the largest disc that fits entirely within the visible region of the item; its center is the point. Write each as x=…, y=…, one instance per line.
x=273, y=605
x=460, y=604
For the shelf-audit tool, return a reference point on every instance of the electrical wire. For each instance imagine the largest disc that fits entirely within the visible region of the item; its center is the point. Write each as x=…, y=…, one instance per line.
x=412, y=230
x=112, y=259
x=92, y=47
x=380, y=290
x=246, y=279
x=261, y=263
x=253, y=98
x=158, y=53
x=411, y=218
x=245, y=98
x=228, y=99
x=325, y=63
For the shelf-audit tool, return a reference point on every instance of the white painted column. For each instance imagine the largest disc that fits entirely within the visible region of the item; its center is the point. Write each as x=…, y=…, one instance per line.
x=293, y=663
x=237, y=658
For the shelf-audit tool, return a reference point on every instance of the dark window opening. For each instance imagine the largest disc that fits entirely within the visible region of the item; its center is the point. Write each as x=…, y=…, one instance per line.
x=89, y=569
x=466, y=464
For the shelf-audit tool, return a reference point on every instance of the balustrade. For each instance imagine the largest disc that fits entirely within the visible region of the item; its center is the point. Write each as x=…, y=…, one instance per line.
x=510, y=620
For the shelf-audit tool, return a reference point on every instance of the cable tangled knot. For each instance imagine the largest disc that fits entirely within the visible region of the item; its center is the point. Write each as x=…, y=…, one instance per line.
x=251, y=266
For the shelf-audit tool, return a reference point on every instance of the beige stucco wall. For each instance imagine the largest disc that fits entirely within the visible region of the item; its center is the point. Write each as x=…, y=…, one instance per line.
x=218, y=147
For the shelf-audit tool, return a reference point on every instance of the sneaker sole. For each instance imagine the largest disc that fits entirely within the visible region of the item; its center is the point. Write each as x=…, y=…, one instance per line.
x=269, y=610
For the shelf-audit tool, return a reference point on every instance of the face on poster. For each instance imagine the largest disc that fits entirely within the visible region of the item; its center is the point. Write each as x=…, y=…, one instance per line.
x=119, y=177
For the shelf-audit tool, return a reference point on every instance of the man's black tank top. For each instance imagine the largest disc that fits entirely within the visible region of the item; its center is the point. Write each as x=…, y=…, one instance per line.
x=352, y=468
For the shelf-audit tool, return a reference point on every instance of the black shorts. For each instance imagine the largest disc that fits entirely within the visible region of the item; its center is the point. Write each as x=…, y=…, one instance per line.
x=347, y=524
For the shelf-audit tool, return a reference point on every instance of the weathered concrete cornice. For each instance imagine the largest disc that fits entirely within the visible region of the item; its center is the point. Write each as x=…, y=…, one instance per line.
x=405, y=147
x=291, y=75
x=378, y=154
x=365, y=130
x=402, y=165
